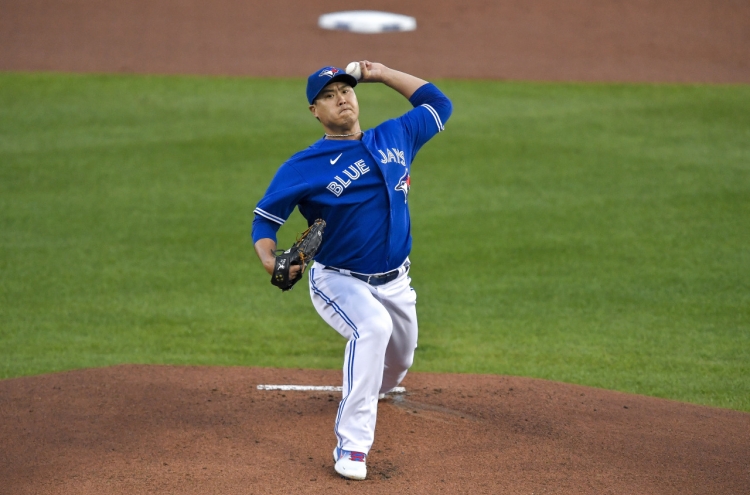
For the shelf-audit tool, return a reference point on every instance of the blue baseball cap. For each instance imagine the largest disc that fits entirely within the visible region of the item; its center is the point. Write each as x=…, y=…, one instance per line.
x=325, y=76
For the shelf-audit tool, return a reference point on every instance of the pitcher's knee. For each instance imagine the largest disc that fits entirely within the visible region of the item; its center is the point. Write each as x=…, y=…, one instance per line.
x=379, y=329
x=399, y=364
x=407, y=362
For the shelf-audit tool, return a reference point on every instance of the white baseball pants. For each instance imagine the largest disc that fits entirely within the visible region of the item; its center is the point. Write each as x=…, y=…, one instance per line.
x=380, y=324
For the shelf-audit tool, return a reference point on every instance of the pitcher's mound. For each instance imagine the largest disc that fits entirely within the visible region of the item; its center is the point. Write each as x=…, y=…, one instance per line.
x=208, y=430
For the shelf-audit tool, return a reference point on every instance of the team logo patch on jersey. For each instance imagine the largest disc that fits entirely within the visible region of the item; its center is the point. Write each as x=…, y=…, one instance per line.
x=329, y=71
x=404, y=184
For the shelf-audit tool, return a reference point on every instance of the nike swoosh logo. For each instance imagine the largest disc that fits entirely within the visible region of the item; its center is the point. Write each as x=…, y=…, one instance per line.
x=333, y=162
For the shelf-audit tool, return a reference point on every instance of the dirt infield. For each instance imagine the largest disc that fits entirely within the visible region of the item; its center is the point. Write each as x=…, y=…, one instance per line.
x=199, y=430
x=571, y=40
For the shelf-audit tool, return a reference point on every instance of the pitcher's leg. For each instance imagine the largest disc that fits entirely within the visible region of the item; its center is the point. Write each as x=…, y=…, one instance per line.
x=400, y=302
x=363, y=372
x=348, y=305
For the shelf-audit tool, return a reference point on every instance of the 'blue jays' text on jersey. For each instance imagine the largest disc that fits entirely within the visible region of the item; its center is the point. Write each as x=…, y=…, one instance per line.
x=360, y=188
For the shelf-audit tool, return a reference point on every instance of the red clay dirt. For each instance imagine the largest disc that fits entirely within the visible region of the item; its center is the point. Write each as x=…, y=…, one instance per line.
x=199, y=430
x=162, y=429
x=550, y=40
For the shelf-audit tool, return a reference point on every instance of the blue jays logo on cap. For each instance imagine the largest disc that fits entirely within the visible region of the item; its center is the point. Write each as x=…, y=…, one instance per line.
x=325, y=76
x=329, y=71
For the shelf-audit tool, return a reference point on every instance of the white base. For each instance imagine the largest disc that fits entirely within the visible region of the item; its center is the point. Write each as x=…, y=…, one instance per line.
x=367, y=21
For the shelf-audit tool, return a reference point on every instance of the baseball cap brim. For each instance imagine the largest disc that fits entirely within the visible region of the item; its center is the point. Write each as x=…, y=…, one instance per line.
x=318, y=80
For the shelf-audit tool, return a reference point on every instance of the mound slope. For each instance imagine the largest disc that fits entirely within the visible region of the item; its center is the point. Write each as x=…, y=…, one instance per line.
x=165, y=429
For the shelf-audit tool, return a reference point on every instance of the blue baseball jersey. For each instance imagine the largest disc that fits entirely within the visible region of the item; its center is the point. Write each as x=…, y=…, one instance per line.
x=359, y=187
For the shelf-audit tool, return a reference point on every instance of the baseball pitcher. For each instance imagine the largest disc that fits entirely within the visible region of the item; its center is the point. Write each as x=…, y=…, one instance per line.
x=355, y=184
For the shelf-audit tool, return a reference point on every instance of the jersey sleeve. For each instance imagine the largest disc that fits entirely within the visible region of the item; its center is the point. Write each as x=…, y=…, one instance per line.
x=286, y=190
x=431, y=111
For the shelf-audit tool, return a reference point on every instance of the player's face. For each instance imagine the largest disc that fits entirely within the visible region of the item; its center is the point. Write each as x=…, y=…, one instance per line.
x=336, y=106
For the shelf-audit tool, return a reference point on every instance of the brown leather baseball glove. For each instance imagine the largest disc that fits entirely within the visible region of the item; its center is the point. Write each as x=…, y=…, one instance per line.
x=301, y=253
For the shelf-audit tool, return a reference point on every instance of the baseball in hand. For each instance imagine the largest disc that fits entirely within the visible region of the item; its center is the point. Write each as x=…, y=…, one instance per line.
x=354, y=70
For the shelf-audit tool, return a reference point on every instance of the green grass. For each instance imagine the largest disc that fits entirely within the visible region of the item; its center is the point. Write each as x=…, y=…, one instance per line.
x=594, y=234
